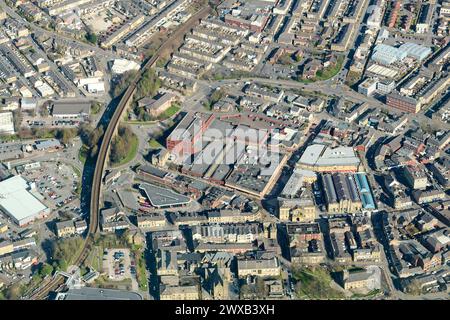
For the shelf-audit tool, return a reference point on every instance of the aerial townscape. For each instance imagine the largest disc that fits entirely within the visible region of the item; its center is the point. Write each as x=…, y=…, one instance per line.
x=224, y=149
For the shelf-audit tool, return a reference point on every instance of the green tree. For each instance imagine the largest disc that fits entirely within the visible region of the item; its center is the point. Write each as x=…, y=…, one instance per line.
x=96, y=107
x=45, y=269
x=91, y=37
x=122, y=83
x=122, y=144
x=44, y=111
x=148, y=85
x=66, y=135
x=414, y=288
x=13, y=292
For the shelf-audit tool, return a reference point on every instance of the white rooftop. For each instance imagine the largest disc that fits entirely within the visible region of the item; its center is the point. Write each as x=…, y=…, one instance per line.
x=320, y=155
x=312, y=154
x=6, y=123
x=17, y=201
x=337, y=156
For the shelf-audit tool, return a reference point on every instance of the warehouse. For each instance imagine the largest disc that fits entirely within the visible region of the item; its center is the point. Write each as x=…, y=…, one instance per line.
x=18, y=201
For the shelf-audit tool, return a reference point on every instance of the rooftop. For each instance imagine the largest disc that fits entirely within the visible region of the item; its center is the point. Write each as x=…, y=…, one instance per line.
x=98, y=294
x=162, y=197
x=17, y=200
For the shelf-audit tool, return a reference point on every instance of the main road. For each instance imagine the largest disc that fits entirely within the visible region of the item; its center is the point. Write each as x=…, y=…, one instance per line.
x=105, y=143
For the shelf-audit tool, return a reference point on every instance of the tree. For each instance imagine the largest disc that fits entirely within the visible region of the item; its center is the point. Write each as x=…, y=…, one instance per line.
x=90, y=136
x=122, y=82
x=13, y=292
x=94, y=151
x=62, y=251
x=17, y=116
x=147, y=117
x=91, y=37
x=45, y=269
x=66, y=135
x=44, y=111
x=122, y=144
x=414, y=288
x=96, y=107
x=148, y=85
x=62, y=265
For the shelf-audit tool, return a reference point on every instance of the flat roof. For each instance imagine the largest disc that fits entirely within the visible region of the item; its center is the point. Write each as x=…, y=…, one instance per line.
x=162, y=197
x=17, y=201
x=98, y=294
x=320, y=155
x=72, y=108
x=312, y=154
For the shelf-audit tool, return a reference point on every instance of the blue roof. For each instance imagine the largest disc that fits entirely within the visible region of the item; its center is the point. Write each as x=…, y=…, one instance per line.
x=367, y=201
x=364, y=189
x=362, y=183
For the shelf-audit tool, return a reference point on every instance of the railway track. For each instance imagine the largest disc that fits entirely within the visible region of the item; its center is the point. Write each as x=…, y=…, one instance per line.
x=58, y=281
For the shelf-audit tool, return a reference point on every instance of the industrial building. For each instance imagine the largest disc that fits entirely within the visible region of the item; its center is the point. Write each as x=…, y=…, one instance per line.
x=20, y=201
x=119, y=66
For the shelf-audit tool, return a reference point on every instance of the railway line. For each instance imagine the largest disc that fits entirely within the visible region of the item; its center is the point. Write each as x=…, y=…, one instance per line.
x=56, y=282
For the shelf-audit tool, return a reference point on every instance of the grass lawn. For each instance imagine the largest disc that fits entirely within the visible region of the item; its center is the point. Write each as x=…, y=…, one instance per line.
x=314, y=283
x=154, y=144
x=104, y=282
x=370, y=294
x=131, y=155
x=8, y=138
x=330, y=72
x=83, y=153
x=95, y=258
x=141, y=271
x=78, y=173
x=171, y=111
